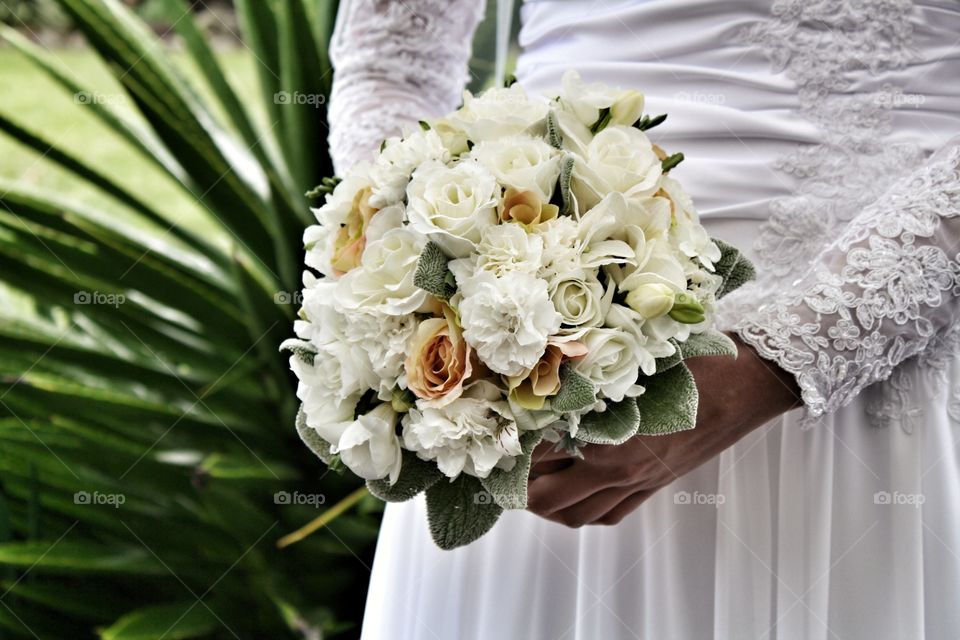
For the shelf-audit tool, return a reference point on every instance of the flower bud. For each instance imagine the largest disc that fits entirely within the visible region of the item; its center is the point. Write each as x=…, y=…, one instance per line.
x=651, y=300
x=687, y=309
x=627, y=108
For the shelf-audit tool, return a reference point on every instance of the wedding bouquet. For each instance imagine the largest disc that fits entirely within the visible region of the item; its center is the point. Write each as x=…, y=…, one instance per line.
x=518, y=270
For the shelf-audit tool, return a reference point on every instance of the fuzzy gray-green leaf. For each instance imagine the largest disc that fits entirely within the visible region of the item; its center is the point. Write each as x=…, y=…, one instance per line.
x=733, y=266
x=669, y=402
x=576, y=392
x=553, y=131
x=432, y=272
x=616, y=425
x=566, y=195
x=708, y=343
x=509, y=488
x=310, y=437
x=460, y=511
x=416, y=475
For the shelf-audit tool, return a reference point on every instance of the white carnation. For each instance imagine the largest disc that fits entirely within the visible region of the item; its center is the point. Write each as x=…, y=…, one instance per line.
x=473, y=434
x=391, y=170
x=507, y=320
x=452, y=205
x=502, y=249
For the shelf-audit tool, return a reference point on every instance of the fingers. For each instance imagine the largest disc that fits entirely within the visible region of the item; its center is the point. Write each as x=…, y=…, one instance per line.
x=555, y=491
x=550, y=466
x=627, y=506
x=544, y=452
x=592, y=509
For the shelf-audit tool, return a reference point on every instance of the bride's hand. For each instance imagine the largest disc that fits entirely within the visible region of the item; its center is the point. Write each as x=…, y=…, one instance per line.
x=737, y=395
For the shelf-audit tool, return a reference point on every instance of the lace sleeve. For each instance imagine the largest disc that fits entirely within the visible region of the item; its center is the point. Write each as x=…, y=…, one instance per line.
x=879, y=294
x=395, y=61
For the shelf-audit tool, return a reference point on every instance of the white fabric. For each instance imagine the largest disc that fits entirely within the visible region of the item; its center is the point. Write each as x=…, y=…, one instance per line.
x=807, y=127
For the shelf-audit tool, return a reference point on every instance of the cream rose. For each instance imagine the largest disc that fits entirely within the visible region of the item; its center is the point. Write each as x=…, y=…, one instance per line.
x=453, y=205
x=526, y=208
x=438, y=362
x=618, y=159
x=532, y=389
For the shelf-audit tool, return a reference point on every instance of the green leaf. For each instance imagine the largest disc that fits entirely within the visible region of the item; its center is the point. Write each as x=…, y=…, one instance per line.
x=189, y=619
x=86, y=557
x=602, y=121
x=432, y=274
x=669, y=402
x=734, y=267
x=646, y=122
x=460, y=511
x=708, y=343
x=509, y=488
x=616, y=425
x=566, y=195
x=576, y=392
x=416, y=476
x=671, y=161
x=553, y=131
x=670, y=361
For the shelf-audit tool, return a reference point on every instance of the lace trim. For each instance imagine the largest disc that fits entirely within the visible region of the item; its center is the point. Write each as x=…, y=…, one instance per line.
x=885, y=291
x=396, y=62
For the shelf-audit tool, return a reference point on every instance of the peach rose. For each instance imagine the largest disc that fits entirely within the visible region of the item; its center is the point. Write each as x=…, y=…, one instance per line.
x=352, y=238
x=439, y=361
x=532, y=389
x=525, y=207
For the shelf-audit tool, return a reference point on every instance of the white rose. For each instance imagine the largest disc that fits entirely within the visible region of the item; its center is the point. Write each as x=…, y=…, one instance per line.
x=613, y=361
x=384, y=280
x=498, y=112
x=586, y=100
x=619, y=159
x=453, y=205
x=392, y=168
x=522, y=162
x=320, y=391
x=580, y=299
x=507, y=320
x=369, y=445
x=473, y=434
x=502, y=249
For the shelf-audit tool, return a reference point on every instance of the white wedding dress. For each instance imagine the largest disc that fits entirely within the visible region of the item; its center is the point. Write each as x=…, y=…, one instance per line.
x=808, y=128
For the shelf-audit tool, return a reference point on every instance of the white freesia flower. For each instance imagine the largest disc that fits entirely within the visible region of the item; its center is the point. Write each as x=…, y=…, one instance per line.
x=687, y=233
x=522, y=162
x=391, y=170
x=498, y=112
x=369, y=445
x=502, y=249
x=453, y=205
x=384, y=280
x=473, y=434
x=586, y=100
x=507, y=320
x=618, y=159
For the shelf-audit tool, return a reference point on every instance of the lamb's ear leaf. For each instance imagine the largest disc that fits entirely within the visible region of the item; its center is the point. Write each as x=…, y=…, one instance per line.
x=733, y=266
x=310, y=437
x=669, y=402
x=509, y=488
x=709, y=343
x=460, y=511
x=576, y=392
x=553, y=131
x=670, y=361
x=616, y=425
x=432, y=274
x=416, y=475
x=566, y=195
